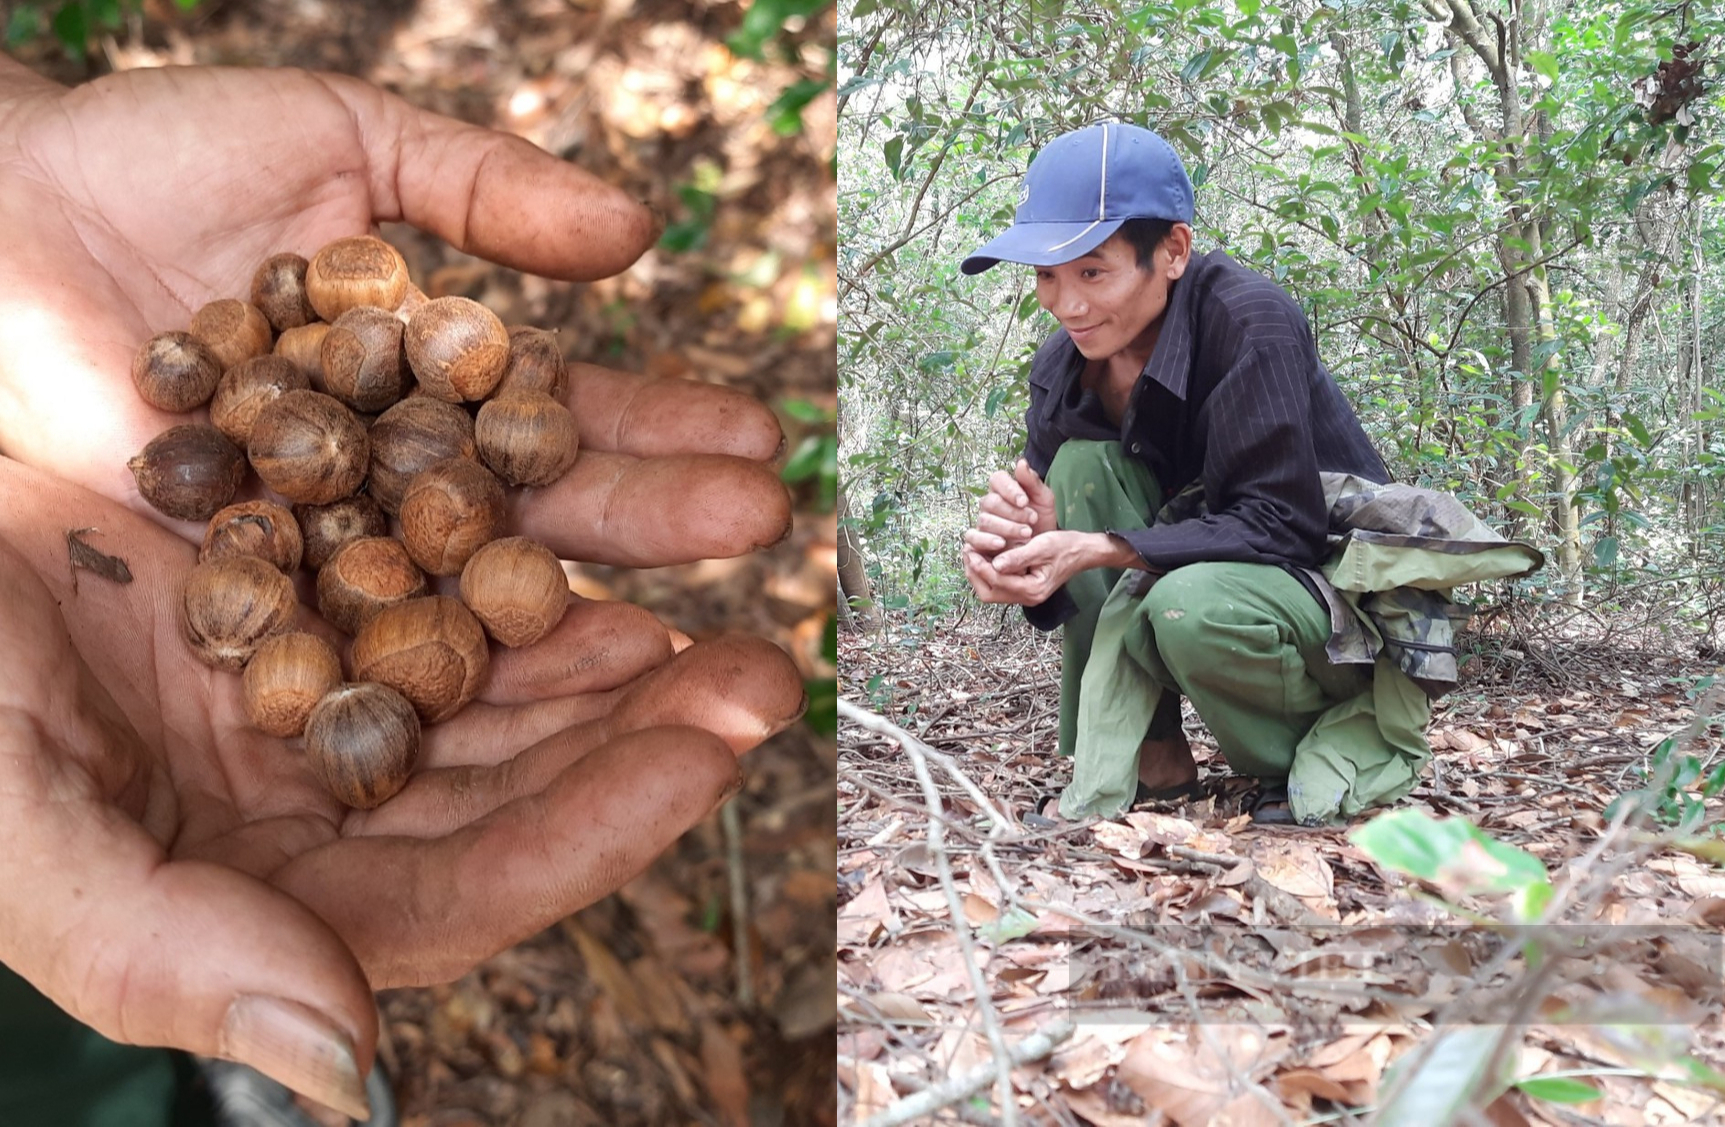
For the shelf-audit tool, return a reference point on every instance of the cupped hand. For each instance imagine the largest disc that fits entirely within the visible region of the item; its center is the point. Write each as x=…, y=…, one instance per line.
x=128, y=202
x=1017, y=506
x=174, y=877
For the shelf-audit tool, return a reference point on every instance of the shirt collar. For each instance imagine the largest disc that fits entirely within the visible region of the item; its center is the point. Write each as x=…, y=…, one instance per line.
x=1170, y=364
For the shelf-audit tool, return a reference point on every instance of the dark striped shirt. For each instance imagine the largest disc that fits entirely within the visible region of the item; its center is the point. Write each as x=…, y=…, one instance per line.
x=1234, y=397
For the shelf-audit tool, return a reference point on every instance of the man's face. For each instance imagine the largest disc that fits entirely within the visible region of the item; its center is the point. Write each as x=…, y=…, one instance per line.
x=1105, y=301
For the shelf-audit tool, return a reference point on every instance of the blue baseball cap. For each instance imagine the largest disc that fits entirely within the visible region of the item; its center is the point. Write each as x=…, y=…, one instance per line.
x=1081, y=187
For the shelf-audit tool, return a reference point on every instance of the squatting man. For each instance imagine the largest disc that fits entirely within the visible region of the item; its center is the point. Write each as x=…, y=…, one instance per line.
x=1187, y=458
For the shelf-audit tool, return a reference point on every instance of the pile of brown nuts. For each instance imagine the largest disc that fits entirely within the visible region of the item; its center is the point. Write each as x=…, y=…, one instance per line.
x=364, y=405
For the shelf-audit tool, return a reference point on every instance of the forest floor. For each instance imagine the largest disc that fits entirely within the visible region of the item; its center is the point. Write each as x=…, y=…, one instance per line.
x=629, y=1013
x=1189, y=963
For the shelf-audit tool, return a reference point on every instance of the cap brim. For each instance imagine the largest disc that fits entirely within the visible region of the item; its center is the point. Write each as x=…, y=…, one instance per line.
x=1041, y=244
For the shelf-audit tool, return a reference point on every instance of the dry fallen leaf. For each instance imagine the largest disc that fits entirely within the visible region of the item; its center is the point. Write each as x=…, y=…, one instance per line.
x=1182, y=1072
x=1127, y=841
x=1295, y=867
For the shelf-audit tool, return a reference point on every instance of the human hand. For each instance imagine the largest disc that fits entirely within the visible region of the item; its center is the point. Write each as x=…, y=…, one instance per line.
x=132, y=200
x=174, y=877
x=1016, y=507
x=1027, y=573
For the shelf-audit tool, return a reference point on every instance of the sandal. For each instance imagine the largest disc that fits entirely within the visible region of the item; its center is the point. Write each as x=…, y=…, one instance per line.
x=1037, y=816
x=1180, y=792
x=1269, y=805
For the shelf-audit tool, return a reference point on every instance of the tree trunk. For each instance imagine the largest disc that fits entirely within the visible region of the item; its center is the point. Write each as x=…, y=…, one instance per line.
x=853, y=576
x=1555, y=408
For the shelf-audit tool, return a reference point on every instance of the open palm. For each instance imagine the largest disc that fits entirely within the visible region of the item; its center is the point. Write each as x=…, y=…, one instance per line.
x=162, y=859
x=129, y=202
x=173, y=877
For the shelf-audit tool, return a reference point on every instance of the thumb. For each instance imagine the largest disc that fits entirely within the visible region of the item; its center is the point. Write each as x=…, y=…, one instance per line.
x=185, y=954
x=493, y=194
x=1032, y=484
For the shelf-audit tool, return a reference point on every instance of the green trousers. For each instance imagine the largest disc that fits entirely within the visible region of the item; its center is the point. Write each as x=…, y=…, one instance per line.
x=1244, y=642
x=57, y=1072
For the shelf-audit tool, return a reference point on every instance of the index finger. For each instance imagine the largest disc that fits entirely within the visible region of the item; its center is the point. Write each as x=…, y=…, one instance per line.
x=1008, y=488
x=493, y=194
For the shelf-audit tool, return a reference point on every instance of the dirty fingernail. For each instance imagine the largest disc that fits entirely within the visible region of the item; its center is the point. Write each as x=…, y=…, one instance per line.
x=294, y=1044
x=802, y=708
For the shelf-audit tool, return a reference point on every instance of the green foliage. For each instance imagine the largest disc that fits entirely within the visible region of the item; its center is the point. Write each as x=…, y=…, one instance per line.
x=1457, y=857
x=763, y=22
x=816, y=457
x=690, y=232
x=1360, y=157
x=1559, y=1089
x=74, y=22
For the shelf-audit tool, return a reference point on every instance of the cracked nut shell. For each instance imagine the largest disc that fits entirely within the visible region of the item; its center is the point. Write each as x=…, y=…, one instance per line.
x=254, y=528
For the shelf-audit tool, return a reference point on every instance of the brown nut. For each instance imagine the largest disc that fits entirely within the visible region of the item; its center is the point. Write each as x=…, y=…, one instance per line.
x=457, y=348
x=254, y=528
x=411, y=437
x=535, y=363
x=304, y=348
x=309, y=448
x=327, y=527
x=361, y=270
x=448, y=512
x=285, y=679
x=431, y=650
x=246, y=388
x=175, y=371
x=234, y=330
x=278, y=290
x=189, y=471
x=362, y=741
x=517, y=590
x=363, y=364
x=362, y=578
x=231, y=605
x=526, y=437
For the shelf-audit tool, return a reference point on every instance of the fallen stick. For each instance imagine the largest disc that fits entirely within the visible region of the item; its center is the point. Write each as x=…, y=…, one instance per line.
x=948, y=1092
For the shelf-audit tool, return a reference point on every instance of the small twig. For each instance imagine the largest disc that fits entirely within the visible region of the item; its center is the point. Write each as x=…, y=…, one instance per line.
x=732, y=824
x=930, y=1100
x=916, y=747
x=920, y=754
